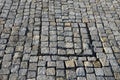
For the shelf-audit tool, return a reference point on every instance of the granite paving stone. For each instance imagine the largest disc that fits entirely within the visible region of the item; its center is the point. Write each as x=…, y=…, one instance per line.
x=59, y=40
x=80, y=72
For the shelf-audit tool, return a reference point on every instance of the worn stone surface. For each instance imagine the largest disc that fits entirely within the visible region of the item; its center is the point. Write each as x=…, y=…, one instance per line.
x=50, y=71
x=59, y=40
x=70, y=64
x=80, y=72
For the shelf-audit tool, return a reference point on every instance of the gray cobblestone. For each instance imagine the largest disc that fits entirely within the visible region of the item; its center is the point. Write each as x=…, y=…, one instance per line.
x=59, y=40
x=6, y=64
x=41, y=77
x=4, y=71
x=7, y=57
x=22, y=72
x=41, y=63
x=100, y=78
x=5, y=77
x=80, y=72
x=91, y=77
x=4, y=35
x=2, y=47
x=51, y=64
x=107, y=71
x=32, y=66
x=99, y=72
x=14, y=68
x=31, y=74
x=60, y=73
x=89, y=70
x=60, y=64
x=9, y=50
x=26, y=57
x=109, y=78
x=13, y=76
x=70, y=74
x=50, y=71
x=33, y=59
x=17, y=55
x=41, y=71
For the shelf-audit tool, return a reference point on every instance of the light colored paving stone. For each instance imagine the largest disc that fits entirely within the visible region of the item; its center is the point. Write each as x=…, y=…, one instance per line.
x=59, y=40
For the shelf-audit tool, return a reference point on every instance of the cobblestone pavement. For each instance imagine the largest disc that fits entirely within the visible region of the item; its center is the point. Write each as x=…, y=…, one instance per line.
x=59, y=39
